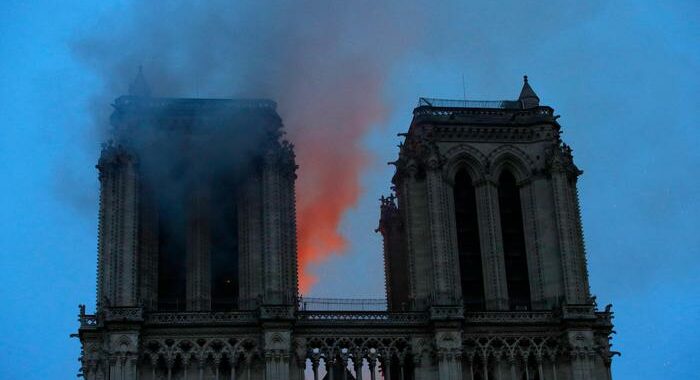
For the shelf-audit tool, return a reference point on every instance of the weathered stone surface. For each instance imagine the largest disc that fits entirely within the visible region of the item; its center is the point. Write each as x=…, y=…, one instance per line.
x=428, y=332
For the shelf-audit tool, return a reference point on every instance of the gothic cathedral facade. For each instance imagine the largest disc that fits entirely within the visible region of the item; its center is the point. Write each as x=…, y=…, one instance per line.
x=486, y=274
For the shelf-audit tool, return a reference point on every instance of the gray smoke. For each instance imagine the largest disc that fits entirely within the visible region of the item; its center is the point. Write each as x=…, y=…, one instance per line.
x=326, y=63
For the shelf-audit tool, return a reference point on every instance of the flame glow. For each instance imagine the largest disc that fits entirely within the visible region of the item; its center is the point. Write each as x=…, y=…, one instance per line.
x=330, y=159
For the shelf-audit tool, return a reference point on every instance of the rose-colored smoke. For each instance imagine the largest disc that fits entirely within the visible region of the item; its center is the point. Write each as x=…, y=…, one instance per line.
x=324, y=62
x=331, y=160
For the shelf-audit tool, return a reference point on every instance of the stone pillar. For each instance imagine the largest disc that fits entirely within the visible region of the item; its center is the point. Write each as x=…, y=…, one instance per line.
x=232, y=363
x=122, y=350
x=422, y=350
x=512, y=362
x=277, y=354
x=131, y=367
x=445, y=288
x=545, y=225
x=372, y=361
x=298, y=361
x=314, y=367
x=581, y=354
x=412, y=196
x=92, y=359
x=540, y=368
x=386, y=366
x=532, y=246
x=491, y=239
x=568, y=227
x=448, y=343
x=251, y=268
x=272, y=238
x=148, y=248
x=118, y=223
x=198, y=259
x=288, y=223
x=279, y=225
x=469, y=371
x=580, y=251
x=357, y=363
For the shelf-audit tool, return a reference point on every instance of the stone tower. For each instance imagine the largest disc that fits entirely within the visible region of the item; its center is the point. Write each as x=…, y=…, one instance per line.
x=197, y=269
x=196, y=228
x=485, y=233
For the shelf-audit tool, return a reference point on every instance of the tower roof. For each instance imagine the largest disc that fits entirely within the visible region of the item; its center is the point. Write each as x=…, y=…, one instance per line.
x=527, y=95
x=139, y=86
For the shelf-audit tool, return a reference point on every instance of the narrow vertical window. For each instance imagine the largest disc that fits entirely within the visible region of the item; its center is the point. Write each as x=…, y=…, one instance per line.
x=224, y=247
x=171, y=254
x=513, y=242
x=468, y=245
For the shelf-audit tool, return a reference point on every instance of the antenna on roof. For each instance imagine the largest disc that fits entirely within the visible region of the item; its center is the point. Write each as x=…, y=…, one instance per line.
x=464, y=89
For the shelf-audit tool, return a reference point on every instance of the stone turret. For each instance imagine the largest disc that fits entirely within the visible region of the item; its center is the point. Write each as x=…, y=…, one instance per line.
x=139, y=86
x=527, y=97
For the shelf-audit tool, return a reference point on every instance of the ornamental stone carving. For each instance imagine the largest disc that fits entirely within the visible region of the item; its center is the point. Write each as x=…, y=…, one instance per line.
x=170, y=308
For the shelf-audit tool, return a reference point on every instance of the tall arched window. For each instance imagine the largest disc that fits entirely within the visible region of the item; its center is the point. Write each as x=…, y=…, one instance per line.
x=468, y=242
x=171, y=253
x=224, y=246
x=513, y=242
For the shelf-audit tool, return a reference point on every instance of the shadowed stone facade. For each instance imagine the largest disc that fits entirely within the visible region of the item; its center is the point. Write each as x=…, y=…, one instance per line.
x=486, y=273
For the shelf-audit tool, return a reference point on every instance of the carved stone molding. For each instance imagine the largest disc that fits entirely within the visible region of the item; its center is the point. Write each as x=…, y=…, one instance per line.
x=123, y=314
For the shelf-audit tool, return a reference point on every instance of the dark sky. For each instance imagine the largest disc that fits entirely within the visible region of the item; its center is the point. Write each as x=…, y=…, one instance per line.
x=622, y=74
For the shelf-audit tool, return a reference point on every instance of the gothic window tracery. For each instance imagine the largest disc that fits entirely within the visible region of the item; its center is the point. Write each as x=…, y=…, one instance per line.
x=517, y=278
x=467, y=224
x=224, y=247
x=171, y=254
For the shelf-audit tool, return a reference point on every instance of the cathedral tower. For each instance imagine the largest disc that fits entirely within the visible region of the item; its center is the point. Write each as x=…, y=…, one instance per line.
x=196, y=227
x=197, y=267
x=486, y=219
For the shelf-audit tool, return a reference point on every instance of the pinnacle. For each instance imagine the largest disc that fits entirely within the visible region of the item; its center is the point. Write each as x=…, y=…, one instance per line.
x=528, y=97
x=139, y=87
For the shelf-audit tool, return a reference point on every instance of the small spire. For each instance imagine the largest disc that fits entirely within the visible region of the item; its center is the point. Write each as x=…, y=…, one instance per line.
x=139, y=87
x=527, y=97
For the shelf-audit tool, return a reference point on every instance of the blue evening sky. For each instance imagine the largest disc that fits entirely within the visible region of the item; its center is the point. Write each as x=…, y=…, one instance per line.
x=623, y=75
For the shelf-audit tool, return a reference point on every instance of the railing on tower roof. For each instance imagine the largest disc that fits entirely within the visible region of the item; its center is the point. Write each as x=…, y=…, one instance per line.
x=454, y=103
x=342, y=304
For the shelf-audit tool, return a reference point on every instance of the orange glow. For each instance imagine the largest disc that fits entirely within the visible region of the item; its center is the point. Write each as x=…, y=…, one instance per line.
x=327, y=128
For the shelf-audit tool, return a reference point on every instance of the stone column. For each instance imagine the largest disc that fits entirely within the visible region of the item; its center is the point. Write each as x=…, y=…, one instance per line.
x=532, y=246
x=540, y=368
x=372, y=361
x=469, y=373
x=580, y=251
x=131, y=367
x=122, y=351
x=581, y=354
x=449, y=354
x=272, y=212
x=446, y=290
x=423, y=366
x=357, y=363
x=547, y=240
x=232, y=363
x=288, y=222
x=198, y=259
x=148, y=248
x=566, y=209
x=491, y=239
x=250, y=232
x=277, y=354
x=512, y=363
x=412, y=197
x=386, y=366
x=314, y=367
x=118, y=223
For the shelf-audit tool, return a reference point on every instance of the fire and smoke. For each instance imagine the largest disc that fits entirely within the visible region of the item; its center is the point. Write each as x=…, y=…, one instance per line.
x=324, y=62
